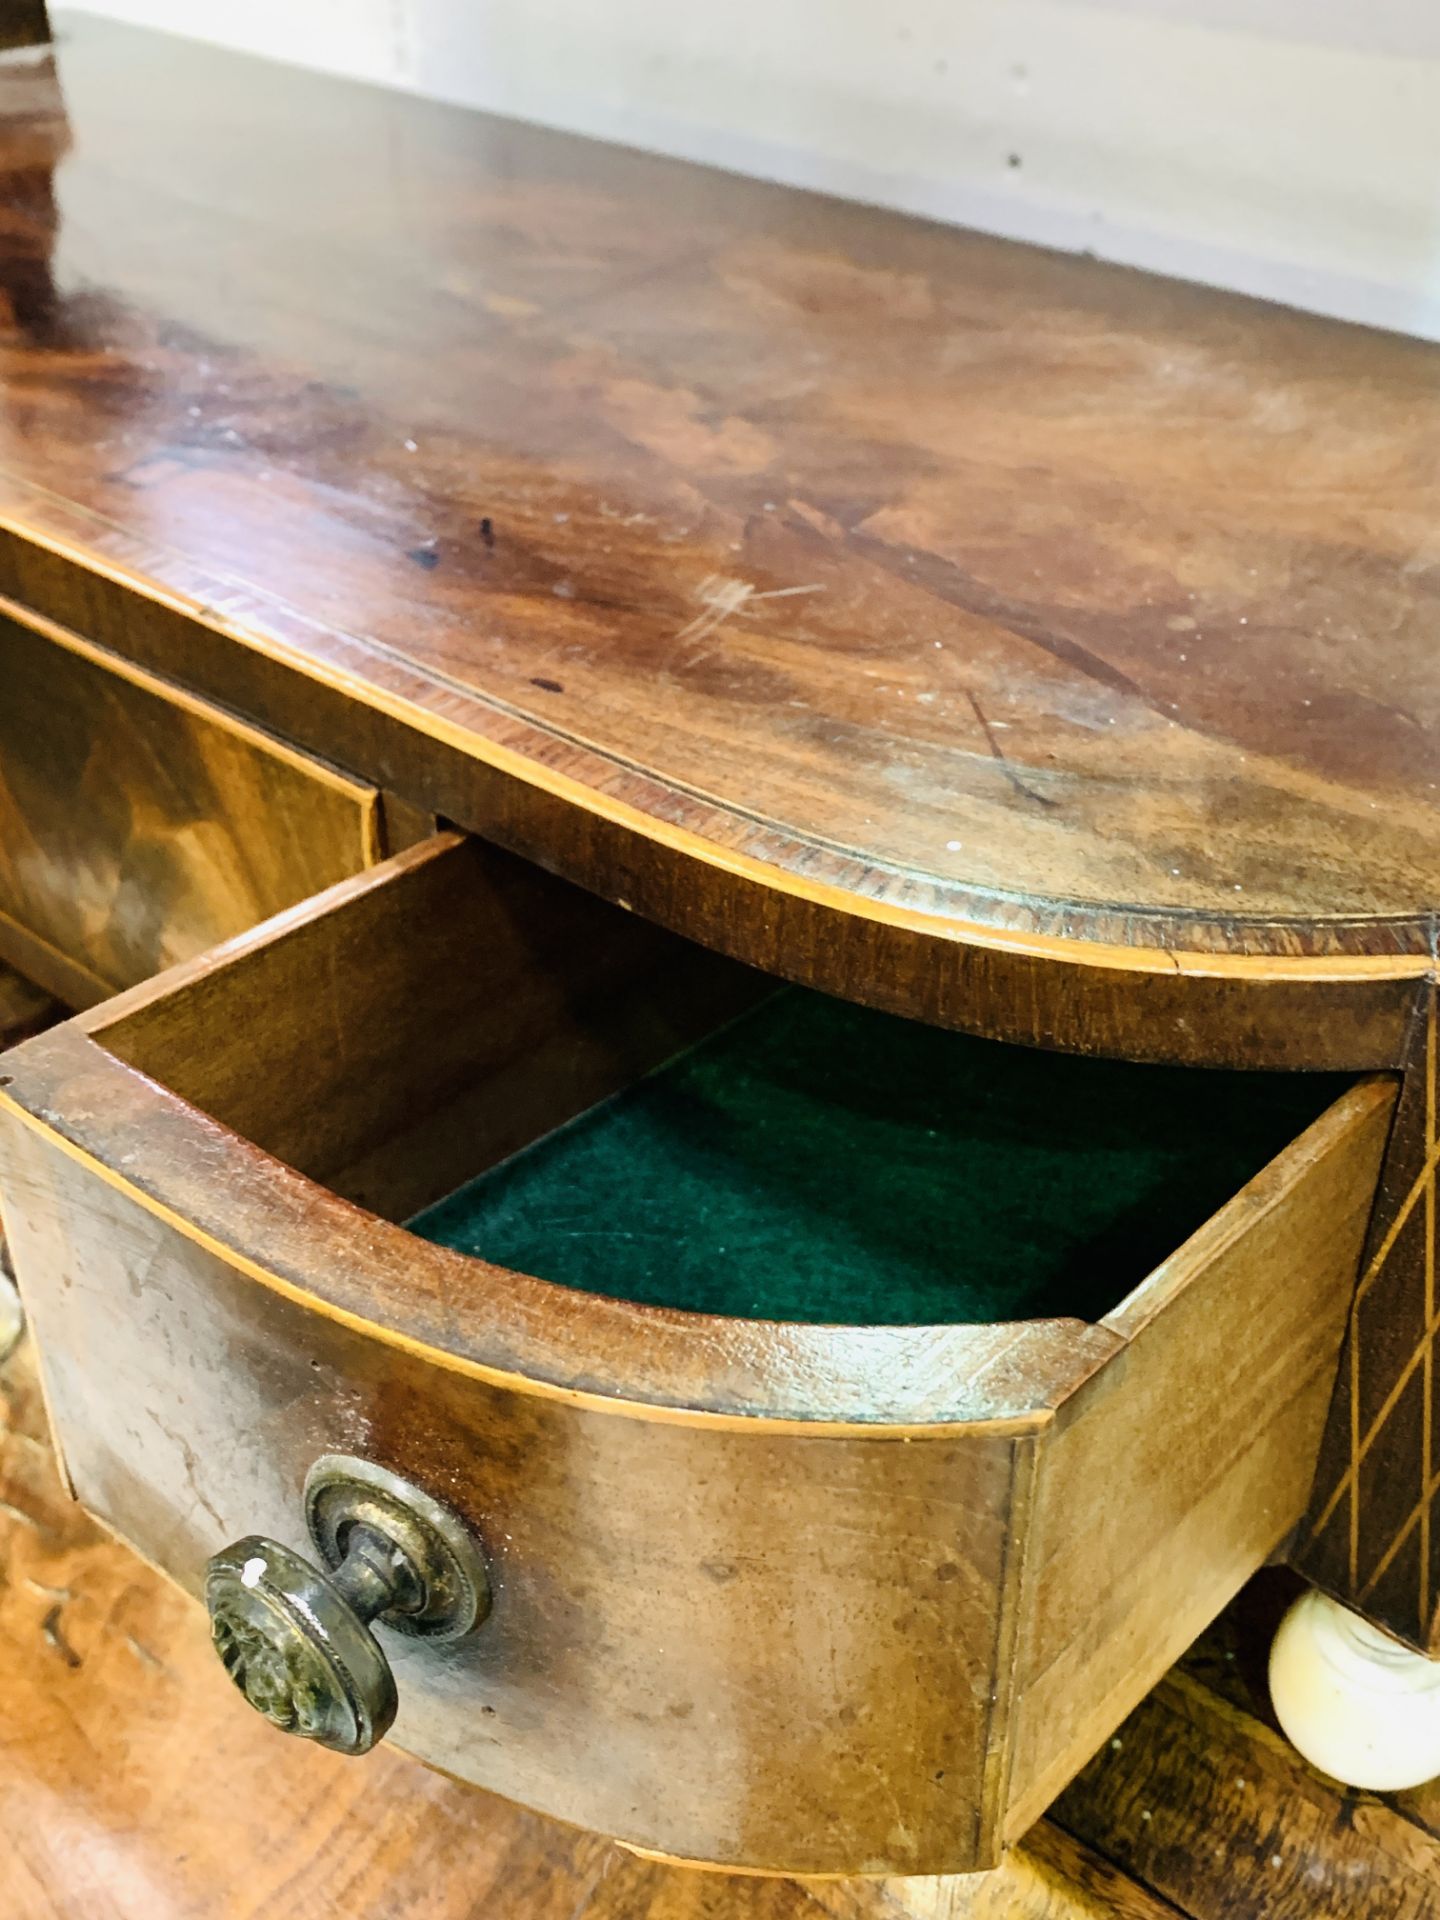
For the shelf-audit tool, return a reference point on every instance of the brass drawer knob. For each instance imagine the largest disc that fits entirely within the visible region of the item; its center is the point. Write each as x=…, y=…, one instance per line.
x=296, y=1640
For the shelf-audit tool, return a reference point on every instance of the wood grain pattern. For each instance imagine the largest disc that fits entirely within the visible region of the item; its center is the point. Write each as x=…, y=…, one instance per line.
x=1048, y=1876
x=1208, y=1804
x=131, y=1789
x=138, y=826
x=771, y=1595
x=967, y=617
x=740, y=1646
x=1182, y=1470
x=476, y=1004
x=25, y=1009
x=293, y=1233
x=992, y=637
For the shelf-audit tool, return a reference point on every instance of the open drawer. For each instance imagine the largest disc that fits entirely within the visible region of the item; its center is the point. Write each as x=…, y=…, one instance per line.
x=855, y=1419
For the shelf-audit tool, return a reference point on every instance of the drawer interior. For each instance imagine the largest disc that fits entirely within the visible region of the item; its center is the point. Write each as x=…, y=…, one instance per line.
x=820, y=1161
x=527, y=1074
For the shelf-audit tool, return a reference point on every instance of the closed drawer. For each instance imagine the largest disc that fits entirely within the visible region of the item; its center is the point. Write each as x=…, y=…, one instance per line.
x=139, y=825
x=856, y=1420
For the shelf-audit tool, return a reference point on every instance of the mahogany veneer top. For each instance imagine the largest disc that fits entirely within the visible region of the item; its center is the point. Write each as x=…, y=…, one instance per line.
x=957, y=584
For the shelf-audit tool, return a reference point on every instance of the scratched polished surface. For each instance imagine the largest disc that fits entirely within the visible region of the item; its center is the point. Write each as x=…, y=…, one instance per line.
x=954, y=575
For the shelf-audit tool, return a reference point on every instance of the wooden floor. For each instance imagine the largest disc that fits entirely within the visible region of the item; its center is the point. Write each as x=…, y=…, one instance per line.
x=134, y=1786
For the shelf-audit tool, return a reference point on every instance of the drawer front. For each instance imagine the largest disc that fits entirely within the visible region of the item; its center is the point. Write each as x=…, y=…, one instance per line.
x=140, y=826
x=722, y=1642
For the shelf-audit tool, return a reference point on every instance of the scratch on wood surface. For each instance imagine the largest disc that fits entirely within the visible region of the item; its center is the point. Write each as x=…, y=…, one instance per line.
x=997, y=751
x=192, y=1470
x=50, y=1627
x=143, y=1654
x=604, y=1866
x=720, y=596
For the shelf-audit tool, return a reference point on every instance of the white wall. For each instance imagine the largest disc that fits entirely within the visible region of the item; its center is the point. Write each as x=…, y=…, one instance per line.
x=1287, y=147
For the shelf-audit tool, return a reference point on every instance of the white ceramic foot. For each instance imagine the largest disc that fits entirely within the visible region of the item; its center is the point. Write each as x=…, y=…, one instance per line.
x=1357, y=1704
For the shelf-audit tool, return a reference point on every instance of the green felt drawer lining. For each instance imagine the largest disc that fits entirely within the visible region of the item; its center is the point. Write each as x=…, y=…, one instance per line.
x=818, y=1161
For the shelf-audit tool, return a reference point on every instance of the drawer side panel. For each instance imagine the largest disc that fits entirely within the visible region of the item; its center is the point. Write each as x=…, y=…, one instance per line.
x=1180, y=1468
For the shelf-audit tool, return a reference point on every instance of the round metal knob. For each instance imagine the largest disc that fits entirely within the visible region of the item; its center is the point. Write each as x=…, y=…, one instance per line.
x=296, y=1640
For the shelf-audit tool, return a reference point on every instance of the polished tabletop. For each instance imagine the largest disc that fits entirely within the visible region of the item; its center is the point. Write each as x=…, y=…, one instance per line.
x=976, y=593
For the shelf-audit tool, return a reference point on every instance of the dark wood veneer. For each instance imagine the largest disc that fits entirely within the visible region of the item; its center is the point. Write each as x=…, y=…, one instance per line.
x=1002, y=639
x=1005, y=638
x=785, y=1596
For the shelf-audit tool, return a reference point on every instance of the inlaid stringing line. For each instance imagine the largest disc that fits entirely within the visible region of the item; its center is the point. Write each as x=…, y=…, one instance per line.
x=1392, y=1233
x=1351, y=1480
x=1427, y=1456
x=1420, y=1513
x=1361, y=1445
x=1414, y=1518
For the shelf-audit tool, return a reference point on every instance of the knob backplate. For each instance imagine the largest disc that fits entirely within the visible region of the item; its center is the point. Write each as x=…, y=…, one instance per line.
x=343, y=1491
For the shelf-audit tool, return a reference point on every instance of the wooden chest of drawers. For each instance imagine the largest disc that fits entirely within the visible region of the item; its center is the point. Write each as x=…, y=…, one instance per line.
x=886, y=1163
